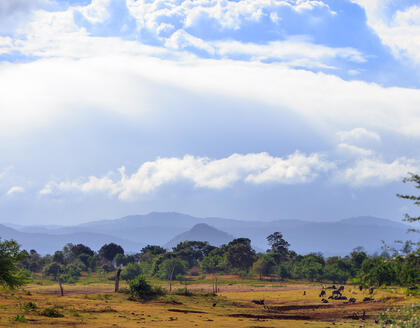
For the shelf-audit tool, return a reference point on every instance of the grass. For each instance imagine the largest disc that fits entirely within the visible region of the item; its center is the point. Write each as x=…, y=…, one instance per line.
x=94, y=304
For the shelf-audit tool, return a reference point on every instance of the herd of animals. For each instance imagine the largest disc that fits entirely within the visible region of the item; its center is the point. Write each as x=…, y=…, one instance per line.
x=337, y=294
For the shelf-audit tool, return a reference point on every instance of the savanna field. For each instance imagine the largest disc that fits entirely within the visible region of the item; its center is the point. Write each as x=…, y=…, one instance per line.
x=92, y=302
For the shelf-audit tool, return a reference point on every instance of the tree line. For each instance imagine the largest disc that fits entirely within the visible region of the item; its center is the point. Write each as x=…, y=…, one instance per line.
x=392, y=267
x=195, y=258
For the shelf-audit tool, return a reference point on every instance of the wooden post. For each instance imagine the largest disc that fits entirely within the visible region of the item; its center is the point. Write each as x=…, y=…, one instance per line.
x=117, y=280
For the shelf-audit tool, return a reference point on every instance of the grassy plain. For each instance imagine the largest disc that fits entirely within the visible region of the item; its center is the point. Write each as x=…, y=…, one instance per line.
x=92, y=303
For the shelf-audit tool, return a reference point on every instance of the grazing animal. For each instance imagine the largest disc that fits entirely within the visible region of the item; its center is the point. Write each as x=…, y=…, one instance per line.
x=324, y=300
x=367, y=299
x=331, y=297
x=341, y=288
x=322, y=293
x=214, y=304
x=336, y=292
x=360, y=287
x=259, y=302
x=304, y=292
x=413, y=288
x=352, y=300
x=333, y=287
x=371, y=290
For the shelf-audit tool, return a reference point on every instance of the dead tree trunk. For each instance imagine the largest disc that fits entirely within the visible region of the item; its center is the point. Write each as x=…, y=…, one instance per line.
x=170, y=278
x=61, y=286
x=117, y=280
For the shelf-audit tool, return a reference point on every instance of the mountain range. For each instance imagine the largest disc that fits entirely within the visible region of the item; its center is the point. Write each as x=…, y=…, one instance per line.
x=167, y=228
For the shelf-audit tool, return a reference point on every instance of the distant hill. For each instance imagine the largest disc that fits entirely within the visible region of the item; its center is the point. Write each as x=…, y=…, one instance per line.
x=158, y=228
x=201, y=232
x=49, y=243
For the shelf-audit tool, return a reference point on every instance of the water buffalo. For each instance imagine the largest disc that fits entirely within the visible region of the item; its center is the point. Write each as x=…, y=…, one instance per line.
x=336, y=292
x=322, y=293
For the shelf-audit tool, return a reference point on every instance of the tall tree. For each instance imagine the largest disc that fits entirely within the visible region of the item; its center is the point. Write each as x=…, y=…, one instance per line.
x=279, y=246
x=240, y=255
x=416, y=199
x=109, y=251
x=11, y=275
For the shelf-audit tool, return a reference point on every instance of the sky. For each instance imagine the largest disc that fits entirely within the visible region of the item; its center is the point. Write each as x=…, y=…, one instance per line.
x=248, y=109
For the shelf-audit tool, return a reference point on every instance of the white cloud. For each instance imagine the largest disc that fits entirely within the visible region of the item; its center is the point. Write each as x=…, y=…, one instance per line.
x=400, y=29
x=131, y=85
x=294, y=52
x=14, y=13
x=15, y=190
x=358, y=135
x=202, y=172
x=375, y=172
x=226, y=14
x=346, y=149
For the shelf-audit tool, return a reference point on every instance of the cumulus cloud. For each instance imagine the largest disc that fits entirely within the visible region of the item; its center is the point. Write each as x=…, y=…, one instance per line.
x=226, y=14
x=15, y=190
x=398, y=28
x=375, y=172
x=202, y=172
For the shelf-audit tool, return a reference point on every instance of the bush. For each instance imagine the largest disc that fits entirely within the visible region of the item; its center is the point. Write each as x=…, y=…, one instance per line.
x=29, y=306
x=71, y=274
x=140, y=288
x=131, y=271
x=52, y=313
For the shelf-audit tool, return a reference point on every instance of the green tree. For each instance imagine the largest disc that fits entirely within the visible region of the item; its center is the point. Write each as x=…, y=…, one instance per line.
x=239, y=254
x=109, y=251
x=130, y=271
x=11, y=276
x=170, y=268
x=79, y=249
x=193, y=251
x=212, y=264
x=264, y=265
x=415, y=178
x=279, y=246
x=54, y=270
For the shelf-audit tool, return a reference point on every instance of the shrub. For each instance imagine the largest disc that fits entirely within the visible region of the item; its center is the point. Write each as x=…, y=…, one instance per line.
x=131, y=271
x=29, y=306
x=52, y=313
x=140, y=288
x=20, y=318
x=71, y=274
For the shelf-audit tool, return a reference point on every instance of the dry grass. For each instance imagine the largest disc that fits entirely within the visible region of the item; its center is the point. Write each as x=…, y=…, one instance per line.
x=95, y=305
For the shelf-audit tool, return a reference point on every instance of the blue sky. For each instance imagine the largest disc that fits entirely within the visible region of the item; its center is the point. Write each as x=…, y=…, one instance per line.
x=253, y=109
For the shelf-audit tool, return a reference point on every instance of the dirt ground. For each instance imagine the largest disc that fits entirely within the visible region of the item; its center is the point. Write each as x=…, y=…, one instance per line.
x=285, y=305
